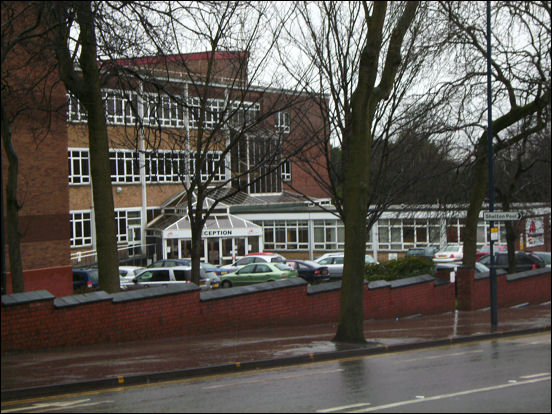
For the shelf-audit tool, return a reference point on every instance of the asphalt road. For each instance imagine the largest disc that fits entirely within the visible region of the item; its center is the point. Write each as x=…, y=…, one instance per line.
x=502, y=375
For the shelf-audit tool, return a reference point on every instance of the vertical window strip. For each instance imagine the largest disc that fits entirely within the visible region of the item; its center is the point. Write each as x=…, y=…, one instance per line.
x=81, y=225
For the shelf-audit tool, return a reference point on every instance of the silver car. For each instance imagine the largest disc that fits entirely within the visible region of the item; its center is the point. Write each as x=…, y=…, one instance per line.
x=334, y=263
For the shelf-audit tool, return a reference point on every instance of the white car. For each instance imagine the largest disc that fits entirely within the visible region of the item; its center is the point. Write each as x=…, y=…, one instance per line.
x=451, y=253
x=334, y=263
x=127, y=273
x=176, y=275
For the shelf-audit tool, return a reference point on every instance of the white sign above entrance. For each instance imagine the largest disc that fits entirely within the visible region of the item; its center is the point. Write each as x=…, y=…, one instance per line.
x=501, y=215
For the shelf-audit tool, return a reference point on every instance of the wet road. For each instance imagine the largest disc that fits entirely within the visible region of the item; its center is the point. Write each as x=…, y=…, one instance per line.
x=507, y=374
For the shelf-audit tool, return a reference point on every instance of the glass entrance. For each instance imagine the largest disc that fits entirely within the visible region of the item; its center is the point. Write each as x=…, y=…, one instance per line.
x=213, y=249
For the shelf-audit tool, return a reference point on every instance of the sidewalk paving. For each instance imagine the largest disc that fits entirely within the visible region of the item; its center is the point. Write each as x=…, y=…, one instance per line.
x=26, y=374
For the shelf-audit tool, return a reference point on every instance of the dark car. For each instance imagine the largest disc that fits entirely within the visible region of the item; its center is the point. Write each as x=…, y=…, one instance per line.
x=311, y=271
x=427, y=252
x=84, y=279
x=524, y=261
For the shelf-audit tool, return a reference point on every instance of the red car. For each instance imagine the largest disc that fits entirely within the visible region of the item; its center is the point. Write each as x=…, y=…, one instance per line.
x=487, y=249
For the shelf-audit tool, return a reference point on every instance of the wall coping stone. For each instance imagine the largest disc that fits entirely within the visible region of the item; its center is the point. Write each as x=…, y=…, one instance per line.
x=411, y=281
x=221, y=293
x=26, y=297
x=323, y=287
x=377, y=284
x=528, y=273
x=152, y=292
x=82, y=299
x=486, y=275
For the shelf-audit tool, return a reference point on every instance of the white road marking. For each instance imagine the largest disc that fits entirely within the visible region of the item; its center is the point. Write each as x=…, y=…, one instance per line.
x=540, y=374
x=451, y=395
x=56, y=405
x=343, y=407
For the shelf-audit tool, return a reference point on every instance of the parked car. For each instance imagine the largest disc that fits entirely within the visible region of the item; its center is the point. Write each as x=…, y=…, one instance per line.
x=452, y=268
x=164, y=276
x=263, y=257
x=311, y=271
x=258, y=273
x=127, y=273
x=544, y=256
x=334, y=263
x=524, y=261
x=487, y=249
x=84, y=279
x=426, y=251
x=171, y=263
x=451, y=253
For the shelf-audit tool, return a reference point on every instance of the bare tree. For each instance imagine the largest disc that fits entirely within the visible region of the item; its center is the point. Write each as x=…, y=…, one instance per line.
x=28, y=85
x=366, y=57
x=520, y=81
x=224, y=99
x=79, y=71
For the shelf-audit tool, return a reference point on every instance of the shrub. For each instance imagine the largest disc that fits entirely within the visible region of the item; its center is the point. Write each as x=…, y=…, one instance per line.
x=399, y=268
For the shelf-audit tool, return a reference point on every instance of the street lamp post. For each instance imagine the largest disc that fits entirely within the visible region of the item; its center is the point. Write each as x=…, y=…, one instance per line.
x=494, y=318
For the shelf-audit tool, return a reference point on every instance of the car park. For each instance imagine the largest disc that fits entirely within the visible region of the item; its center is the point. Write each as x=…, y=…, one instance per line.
x=257, y=273
x=425, y=251
x=334, y=263
x=487, y=250
x=524, y=261
x=85, y=279
x=309, y=270
x=450, y=253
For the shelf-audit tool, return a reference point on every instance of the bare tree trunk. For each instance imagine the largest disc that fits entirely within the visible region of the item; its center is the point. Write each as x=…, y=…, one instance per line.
x=87, y=89
x=14, y=236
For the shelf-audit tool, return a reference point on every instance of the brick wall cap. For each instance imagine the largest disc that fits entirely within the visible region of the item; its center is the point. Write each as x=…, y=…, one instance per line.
x=377, y=284
x=323, y=287
x=411, y=281
x=486, y=275
x=26, y=297
x=528, y=273
x=248, y=289
x=82, y=299
x=151, y=292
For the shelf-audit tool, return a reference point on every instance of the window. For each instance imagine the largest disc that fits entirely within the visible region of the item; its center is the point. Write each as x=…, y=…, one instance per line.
x=243, y=114
x=328, y=235
x=81, y=229
x=160, y=276
x=128, y=226
x=75, y=111
x=120, y=106
x=286, y=170
x=79, y=170
x=182, y=275
x=282, y=122
x=125, y=166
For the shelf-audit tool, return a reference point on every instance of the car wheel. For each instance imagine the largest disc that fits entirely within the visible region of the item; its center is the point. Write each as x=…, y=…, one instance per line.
x=226, y=284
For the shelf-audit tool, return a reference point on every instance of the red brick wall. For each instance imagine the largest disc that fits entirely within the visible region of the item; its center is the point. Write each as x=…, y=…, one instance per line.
x=57, y=280
x=39, y=324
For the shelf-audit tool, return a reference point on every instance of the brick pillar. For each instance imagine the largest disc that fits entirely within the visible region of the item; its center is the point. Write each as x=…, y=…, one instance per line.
x=465, y=281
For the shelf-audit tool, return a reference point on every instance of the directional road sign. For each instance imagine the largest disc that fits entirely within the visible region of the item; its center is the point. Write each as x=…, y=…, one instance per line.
x=501, y=215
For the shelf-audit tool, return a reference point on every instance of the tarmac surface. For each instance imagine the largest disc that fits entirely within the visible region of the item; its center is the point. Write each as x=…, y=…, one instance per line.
x=62, y=370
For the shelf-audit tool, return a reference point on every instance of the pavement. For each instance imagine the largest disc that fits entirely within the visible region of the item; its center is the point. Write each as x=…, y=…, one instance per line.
x=63, y=370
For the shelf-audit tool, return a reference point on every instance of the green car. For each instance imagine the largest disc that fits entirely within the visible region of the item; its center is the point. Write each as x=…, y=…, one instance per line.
x=257, y=273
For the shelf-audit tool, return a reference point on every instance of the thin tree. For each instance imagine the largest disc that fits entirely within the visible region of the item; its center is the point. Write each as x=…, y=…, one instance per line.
x=80, y=72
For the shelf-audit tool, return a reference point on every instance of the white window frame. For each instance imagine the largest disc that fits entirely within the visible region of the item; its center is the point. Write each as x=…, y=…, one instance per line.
x=286, y=170
x=81, y=236
x=283, y=122
x=79, y=166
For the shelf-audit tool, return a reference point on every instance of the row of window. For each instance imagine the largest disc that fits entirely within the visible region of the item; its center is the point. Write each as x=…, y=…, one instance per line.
x=161, y=166
x=393, y=234
x=122, y=108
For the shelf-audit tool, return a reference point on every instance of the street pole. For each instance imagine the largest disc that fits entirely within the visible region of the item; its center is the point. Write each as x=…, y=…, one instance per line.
x=494, y=318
